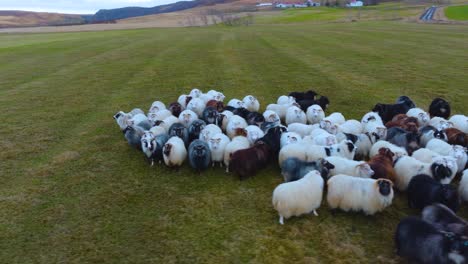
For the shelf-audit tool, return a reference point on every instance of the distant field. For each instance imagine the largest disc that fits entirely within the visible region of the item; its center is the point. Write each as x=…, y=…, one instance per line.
x=72, y=191
x=24, y=19
x=457, y=12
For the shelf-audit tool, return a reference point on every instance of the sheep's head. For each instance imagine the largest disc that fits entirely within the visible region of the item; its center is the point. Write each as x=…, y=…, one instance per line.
x=386, y=152
x=200, y=150
x=365, y=170
x=195, y=93
x=424, y=118
x=440, y=170
x=458, y=151
x=215, y=142
x=167, y=149
x=384, y=186
x=118, y=115
x=175, y=109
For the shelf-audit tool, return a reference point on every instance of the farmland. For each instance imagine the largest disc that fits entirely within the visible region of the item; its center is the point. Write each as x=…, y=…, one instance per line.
x=73, y=191
x=457, y=12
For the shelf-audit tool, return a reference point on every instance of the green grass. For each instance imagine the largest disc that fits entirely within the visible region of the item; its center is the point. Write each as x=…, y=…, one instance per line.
x=457, y=12
x=72, y=190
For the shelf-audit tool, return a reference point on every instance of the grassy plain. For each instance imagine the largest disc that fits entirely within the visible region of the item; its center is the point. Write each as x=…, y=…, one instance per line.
x=73, y=191
x=457, y=12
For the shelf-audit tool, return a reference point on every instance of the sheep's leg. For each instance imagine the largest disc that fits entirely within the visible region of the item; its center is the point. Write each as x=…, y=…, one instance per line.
x=315, y=213
x=221, y=164
x=227, y=169
x=212, y=164
x=281, y=220
x=152, y=163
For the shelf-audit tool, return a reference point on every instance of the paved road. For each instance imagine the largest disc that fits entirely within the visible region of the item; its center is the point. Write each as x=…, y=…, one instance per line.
x=429, y=14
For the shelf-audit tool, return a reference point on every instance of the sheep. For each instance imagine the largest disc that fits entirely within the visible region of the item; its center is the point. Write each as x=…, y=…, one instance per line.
x=175, y=108
x=238, y=142
x=371, y=117
x=219, y=106
x=179, y=130
x=255, y=118
x=195, y=129
x=242, y=112
x=271, y=116
x=158, y=130
x=121, y=118
x=136, y=111
x=445, y=149
x=315, y=114
x=407, y=167
x=428, y=156
x=158, y=144
x=440, y=123
x=323, y=102
x=289, y=138
x=429, y=132
x=133, y=136
x=359, y=194
x=234, y=123
x=388, y=111
x=456, y=137
x=375, y=127
x=351, y=127
x=199, y=155
x=196, y=105
x=207, y=98
x=159, y=116
x=283, y=99
x=139, y=120
x=253, y=133
x=294, y=169
x=157, y=106
x=404, y=139
x=295, y=115
x=280, y=110
x=195, y=93
x=399, y=152
x=223, y=119
x=217, y=95
x=187, y=117
x=295, y=150
x=174, y=152
x=236, y=103
x=405, y=100
x=209, y=131
x=382, y=165
x=246, y=162
x=439, y=107
x=421, y=242
x=460, y=122
x=324, y=139
x=147, y=145
x=444, y=219
x=167, y=122
x=423, y=190
x=350, y=167
x=463, y=187
x=422, y=116
x=308, y=95
x=251, y=103
x=335, y=118
x=403, y=121
x=183, y=100
x=363, y=143
x=210, y=115
x=272, y=138
x=298, y=197
x=345, y=149
x=217, y=144
x=302, y=129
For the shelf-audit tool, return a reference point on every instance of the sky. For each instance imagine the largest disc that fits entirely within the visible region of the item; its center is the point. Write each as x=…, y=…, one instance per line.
x=75, y=6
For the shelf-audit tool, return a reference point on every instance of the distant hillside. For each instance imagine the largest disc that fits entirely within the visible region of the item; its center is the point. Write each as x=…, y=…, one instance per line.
x=127, y=12
x=28, y=19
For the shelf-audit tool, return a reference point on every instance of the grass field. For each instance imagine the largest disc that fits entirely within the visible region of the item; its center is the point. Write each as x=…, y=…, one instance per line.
x=457, y=12
x=72, y=191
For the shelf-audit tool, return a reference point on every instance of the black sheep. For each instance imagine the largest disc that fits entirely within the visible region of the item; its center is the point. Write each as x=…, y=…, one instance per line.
x=388, y=111
x=323, y=102
x=424, y=190
x=157, y=147
x=272, y=138
x=175, y=109
x=199, y=155
x=405, y=100
x=195, y=129
x=421, y=242
x=402, y=138
x=179, y=130
x=309, y=95
x=209, y=115
x=242, y=112
x=444, y=219
x=294, y=169
x=439, y=107
x=255, y=119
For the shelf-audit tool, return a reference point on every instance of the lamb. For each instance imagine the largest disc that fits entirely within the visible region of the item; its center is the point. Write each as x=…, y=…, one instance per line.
x=238, y=142
x=422, y=116
x=407, y=167
x=236, y=103
x=246, y=162
x=217, y=144
x=444, y=219
x=295, y=150
x=157, y=106
x=345, y=149
x=445, y=149
x=399, y=152
x=294, y=169
x=463, y=187
x=283, y=99
x=440, y=123
x=209, y=131
x=187, y=117
x=382, y=165
x=271, y=116
x=302, y=129
x=423, y=190
x=421, y=242
x=349, y=167
x=195, y=129
x=196, y=105
x=460, y=122
x=251, y=103
x=439, y=107
x=457, y=137
x=359, y=194
x=174, y=152
x=429, y=132
x=175, y=108
x=253, y=134
x=298, y=197
x=210, y=115
x=402, y=138
x=199, y=155
x=295, y=115
x=179, y=130
x=315, y=114
x=234, y=123
x=289, y=138
x=242, y=112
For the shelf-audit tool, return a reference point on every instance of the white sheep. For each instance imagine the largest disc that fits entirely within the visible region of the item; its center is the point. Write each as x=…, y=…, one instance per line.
x=289, y=138
x=271, y=116
x=209, y=131
x=187, y=117
x=147, y=144
x=350, y=167
x=359, y=194
x=283, y=99
x=157, y=106
x=335, y=118
x=251, y=103
x=463, y=188
x=217, y=95
x=429, y=156
x=460, y=122
x=136, y=111
x=295, y=115
x=254, y=133
x=234, y=123
x=422, y=116
x=174, y=152
x=206, y=98
x=440, y=123
x=296, y=150
x=195, y=93
x=363, y=143
x=398, y=151
x=158, y=130
x=375, y=127
x=168, y=122
x=159, y=116
x=371, y=117
x=328, y=126
x=182, y=100
x=236, y=103
x=122, y=119
x=351, y=127
x=280, y=109
x=345, y=149
x=298, y=197
x=227, y=114
x=237, y=143
x=324, y=139
x=302, y=129
x=445, y=149
x=315, y=114
x=196, y=105
x=217, y=144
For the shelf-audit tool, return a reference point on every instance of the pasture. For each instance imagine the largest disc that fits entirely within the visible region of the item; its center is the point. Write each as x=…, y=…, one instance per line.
x=73, y=191
x=457, y=12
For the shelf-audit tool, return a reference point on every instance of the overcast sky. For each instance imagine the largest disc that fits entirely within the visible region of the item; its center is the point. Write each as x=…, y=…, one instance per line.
x=75, y=6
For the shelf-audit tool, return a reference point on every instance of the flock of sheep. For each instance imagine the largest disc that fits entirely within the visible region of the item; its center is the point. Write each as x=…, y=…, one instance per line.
x=393, y=146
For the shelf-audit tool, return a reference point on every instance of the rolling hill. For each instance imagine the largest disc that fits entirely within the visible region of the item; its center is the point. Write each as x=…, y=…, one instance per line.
x=27, y=19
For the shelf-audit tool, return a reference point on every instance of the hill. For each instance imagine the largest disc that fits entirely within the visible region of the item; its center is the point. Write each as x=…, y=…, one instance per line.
x=27, y=19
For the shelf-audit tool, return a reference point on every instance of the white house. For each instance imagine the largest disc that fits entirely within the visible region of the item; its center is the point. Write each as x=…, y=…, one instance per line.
x=355, y=3
x=264, y=4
